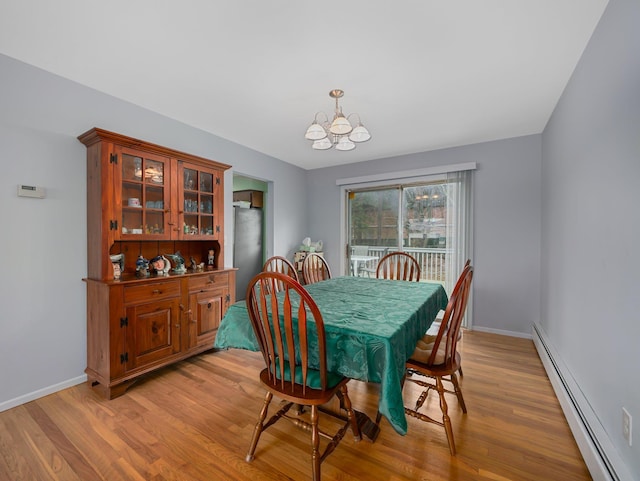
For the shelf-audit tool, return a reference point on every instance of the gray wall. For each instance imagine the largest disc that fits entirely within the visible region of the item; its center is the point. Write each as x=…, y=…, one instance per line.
x=556, y=228
x=42, y=319
x=506, y=283
x=591, y=224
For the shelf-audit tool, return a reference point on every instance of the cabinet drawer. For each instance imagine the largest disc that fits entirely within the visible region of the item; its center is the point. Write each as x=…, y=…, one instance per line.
x=147, y=292
x=209, y=281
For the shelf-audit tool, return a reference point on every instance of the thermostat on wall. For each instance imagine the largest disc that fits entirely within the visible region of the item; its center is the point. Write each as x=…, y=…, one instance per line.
x=31, y=191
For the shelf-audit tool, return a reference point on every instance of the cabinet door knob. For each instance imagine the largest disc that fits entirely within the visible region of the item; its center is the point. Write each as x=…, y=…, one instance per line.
x=156, y=291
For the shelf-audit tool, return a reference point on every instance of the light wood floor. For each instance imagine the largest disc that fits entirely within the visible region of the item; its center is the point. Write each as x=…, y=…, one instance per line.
x=193, y=421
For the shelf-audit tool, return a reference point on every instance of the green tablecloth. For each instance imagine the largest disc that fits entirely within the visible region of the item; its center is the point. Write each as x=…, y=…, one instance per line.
x=371, y=325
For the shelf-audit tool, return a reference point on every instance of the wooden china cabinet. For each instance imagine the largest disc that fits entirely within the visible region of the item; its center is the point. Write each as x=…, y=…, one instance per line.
x=147, y=202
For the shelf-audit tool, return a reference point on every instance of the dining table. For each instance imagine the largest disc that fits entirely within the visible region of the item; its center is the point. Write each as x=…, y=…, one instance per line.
x=371, y=325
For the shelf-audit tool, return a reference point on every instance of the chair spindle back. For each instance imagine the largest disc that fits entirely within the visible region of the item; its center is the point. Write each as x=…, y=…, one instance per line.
x=282, y=265
x=285, y=344
x=398, y=266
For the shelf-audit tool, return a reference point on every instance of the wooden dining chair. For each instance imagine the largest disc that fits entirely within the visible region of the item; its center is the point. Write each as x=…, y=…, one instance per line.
x=315, y=269
x=289, y=348
x=398, y=266
x=282, y=265
x=438, y=359
x=435, y=325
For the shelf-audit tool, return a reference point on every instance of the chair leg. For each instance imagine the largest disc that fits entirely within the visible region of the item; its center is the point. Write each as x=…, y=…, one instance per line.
x=315, y=444
x=257, y=431
x=456, y=386
x=445, y=416
x=351, y=416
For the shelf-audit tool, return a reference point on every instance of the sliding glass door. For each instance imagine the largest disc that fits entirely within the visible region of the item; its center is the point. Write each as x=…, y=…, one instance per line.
x=430, y=220
x=374, y=216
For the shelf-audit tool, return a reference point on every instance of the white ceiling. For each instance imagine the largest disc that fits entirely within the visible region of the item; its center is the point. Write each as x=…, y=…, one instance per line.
x=422, y=74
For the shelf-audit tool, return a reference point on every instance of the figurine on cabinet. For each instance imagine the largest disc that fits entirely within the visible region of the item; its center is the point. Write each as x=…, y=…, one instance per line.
x=211, y=259
x=142, y=267
x=194, y=266
x=117, y=272
x=161, y=265
x=178, y=262
x=117, y=262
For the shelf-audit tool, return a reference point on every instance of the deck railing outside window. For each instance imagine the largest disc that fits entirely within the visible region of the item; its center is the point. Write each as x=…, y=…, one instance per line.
x=432, y=260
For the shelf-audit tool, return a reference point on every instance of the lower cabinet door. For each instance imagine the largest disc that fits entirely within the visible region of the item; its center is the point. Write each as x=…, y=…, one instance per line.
x=153, y=332
x=206, y=311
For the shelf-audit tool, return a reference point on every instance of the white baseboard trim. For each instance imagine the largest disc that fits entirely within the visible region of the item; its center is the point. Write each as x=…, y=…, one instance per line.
x=500, y=331
x=598, y=451
x=32, y=396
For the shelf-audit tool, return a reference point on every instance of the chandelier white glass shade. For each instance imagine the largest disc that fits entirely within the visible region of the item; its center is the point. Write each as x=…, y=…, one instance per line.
x=338, y=133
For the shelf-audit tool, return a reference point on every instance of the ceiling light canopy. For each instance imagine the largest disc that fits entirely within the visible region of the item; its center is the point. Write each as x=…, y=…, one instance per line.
x=338, y=133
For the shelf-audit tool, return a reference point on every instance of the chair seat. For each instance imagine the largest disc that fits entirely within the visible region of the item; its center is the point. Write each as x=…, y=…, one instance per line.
x=424, y=349
x=311, y=396
x=432, y=371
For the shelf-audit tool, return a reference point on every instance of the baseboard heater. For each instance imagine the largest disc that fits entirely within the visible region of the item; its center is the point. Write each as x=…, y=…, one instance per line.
x=598, y=452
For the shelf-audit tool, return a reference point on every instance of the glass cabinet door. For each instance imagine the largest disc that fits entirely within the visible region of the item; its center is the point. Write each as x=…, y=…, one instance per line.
x=144, y=195
x=198, y=191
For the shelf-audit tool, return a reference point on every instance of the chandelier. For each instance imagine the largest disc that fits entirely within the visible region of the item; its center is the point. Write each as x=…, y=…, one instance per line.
x=339, y=132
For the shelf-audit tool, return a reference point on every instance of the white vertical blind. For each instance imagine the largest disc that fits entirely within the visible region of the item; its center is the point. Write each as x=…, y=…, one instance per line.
x=459, y=227
x=458, y=231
